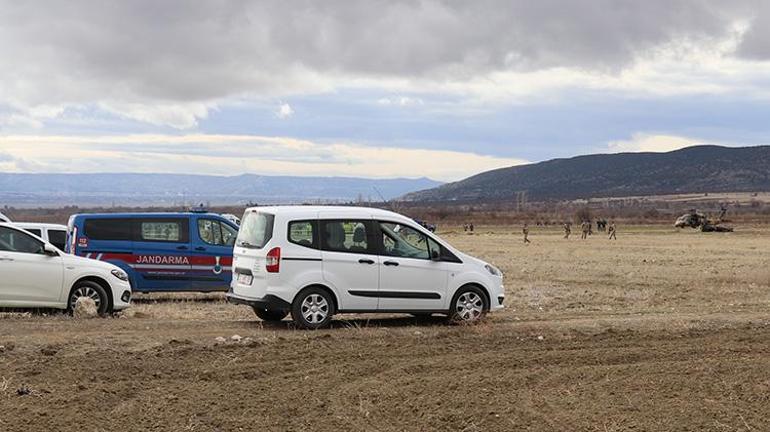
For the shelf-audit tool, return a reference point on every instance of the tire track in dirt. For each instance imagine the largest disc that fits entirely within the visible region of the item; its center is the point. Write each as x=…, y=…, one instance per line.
x=426, y=378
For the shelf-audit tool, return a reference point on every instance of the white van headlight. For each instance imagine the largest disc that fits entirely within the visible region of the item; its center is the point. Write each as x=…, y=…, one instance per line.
x=492, y=270
x=120, y=274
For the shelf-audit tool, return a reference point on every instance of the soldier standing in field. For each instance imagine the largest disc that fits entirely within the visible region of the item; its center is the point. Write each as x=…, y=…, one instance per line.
x=586, y=227
x=611, y=230
x=567, y=230
x=525, y=231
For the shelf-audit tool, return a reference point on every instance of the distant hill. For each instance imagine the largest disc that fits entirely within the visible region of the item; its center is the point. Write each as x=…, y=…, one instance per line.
x=165, y=189
x=690, y=170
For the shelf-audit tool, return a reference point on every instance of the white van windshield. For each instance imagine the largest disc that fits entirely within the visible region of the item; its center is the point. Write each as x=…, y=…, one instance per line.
x=256, y=230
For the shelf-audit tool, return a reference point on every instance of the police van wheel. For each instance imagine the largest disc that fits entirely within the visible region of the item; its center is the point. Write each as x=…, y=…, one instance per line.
x=271, y=315
x=312, y=308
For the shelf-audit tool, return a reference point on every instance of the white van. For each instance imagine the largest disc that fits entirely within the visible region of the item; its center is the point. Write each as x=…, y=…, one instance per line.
x=314, y=262
x=52, y=233
x=35, y=274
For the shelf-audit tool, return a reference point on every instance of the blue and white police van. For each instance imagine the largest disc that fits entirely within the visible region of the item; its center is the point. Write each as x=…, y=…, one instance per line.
x=185, y=251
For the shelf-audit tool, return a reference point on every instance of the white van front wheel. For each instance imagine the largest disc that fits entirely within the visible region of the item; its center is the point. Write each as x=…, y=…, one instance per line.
x=469, y=305
x=313, y=308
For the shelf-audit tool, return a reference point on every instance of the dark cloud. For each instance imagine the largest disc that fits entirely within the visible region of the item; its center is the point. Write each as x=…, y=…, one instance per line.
x=166, y=62
x=181, y=51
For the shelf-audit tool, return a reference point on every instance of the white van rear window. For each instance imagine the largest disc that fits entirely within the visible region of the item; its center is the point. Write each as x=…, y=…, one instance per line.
x=256, y=230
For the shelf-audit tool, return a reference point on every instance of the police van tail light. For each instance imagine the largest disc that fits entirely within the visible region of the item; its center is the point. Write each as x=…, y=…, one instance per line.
x=273, y=261
x=73, y=240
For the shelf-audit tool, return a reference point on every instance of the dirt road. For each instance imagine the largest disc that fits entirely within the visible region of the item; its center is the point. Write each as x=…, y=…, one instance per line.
x=672, y=346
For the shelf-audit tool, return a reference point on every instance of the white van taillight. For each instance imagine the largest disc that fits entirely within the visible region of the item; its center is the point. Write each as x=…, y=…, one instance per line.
x=73, y=240
x=273, y=261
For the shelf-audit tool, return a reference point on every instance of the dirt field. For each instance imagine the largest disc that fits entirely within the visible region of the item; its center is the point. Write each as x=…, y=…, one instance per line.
x=658, y=331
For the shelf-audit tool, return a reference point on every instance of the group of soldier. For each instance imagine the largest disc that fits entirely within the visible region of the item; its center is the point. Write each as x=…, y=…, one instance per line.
x=586, y=228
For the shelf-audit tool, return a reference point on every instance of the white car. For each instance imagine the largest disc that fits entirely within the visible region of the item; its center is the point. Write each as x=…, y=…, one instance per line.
x=35, y=274
x=4, y=218
x=52, y=233
x=314, y=262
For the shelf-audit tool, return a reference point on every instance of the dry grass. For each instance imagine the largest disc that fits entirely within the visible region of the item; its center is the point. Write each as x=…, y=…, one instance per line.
x=648, y=270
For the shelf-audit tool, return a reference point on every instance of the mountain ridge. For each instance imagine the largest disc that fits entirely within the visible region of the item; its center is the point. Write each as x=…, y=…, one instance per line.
x=157, y=188
x=705, y=168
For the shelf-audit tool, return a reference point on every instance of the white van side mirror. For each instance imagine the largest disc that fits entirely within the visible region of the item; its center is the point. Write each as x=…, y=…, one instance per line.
x=50, y=250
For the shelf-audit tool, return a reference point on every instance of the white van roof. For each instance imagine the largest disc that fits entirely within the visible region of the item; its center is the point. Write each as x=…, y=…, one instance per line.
x=307, y=211
x=34, y=225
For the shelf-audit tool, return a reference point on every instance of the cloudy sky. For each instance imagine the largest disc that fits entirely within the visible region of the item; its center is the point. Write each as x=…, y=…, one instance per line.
x=442, y=89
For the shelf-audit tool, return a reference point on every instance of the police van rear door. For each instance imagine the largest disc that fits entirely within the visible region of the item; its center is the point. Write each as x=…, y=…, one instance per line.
x=162, y=252
x=104, y=238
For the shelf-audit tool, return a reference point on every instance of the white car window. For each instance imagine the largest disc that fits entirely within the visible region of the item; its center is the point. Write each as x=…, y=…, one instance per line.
x=17, y=241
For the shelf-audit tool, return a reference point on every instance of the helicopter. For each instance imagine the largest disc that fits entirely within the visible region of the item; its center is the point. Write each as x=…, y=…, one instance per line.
x=696, y=219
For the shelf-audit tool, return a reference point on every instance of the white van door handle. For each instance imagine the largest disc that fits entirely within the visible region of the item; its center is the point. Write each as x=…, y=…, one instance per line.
x=6, y=259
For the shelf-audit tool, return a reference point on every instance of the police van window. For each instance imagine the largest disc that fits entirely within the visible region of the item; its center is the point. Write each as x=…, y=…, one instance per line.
x=228, y=234
x=107, y=229
x=164, y=230
x=57, y=238
x=17, y=241
x=216, y=232
x=345, y=236
x=303, y=233
x=210, y=231
x=36, y=232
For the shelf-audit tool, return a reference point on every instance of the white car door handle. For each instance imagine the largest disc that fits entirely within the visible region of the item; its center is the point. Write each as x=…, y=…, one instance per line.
x=6, y=259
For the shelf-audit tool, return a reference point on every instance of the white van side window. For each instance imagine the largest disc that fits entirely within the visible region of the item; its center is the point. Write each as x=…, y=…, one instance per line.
x=350, y=236
x=303, y=233
x=57, y=238
x=403, y=241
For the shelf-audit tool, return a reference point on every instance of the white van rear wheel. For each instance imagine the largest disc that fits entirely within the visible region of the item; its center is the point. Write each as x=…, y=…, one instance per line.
x=271, y=315
x=312, y=308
